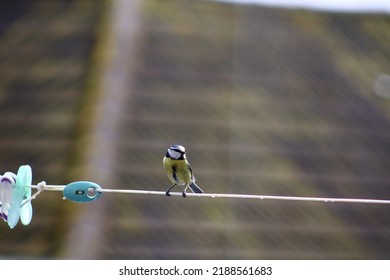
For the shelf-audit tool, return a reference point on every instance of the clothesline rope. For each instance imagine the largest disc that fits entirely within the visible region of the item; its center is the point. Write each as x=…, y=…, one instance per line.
x=223, y=195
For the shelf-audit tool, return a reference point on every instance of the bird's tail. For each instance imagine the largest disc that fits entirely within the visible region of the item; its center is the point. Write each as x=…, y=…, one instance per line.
x=195, y=188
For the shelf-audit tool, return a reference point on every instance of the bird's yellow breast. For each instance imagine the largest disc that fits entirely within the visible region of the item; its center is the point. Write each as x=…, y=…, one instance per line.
x=177, y=171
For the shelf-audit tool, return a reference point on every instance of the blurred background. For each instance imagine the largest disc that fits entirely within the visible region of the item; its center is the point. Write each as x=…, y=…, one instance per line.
x=266, y=100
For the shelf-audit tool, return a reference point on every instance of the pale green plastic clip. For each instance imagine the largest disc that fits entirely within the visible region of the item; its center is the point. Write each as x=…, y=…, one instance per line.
x=21, y=193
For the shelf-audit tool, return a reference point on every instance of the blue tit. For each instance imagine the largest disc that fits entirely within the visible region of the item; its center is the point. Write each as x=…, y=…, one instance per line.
x=179, y=170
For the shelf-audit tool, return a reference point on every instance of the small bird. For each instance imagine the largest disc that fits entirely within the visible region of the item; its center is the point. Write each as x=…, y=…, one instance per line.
x=179, y=170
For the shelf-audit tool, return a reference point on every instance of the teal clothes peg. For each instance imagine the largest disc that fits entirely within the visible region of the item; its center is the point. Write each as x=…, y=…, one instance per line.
x=26, y=210
x=82, y=191
x=21, y=193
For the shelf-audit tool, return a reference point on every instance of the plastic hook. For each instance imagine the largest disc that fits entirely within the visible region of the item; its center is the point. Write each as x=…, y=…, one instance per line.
x=82, y=191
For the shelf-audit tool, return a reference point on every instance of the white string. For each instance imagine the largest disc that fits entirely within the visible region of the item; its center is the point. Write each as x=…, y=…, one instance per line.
x=40, y=188
x=222, y=195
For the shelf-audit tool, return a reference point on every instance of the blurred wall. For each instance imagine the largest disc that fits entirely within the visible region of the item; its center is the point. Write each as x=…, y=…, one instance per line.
x=266, y=101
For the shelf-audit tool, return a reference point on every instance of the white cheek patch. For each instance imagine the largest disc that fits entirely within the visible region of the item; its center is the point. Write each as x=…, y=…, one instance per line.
x=173, y=154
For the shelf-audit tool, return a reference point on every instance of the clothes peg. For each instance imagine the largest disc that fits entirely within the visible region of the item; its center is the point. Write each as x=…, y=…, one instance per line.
x=7, y=183
x=21, y=193
x=82, y=191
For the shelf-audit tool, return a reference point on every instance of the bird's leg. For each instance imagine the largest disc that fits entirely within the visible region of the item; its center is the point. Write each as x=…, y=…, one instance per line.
x=168, y=190
x=185, y=190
